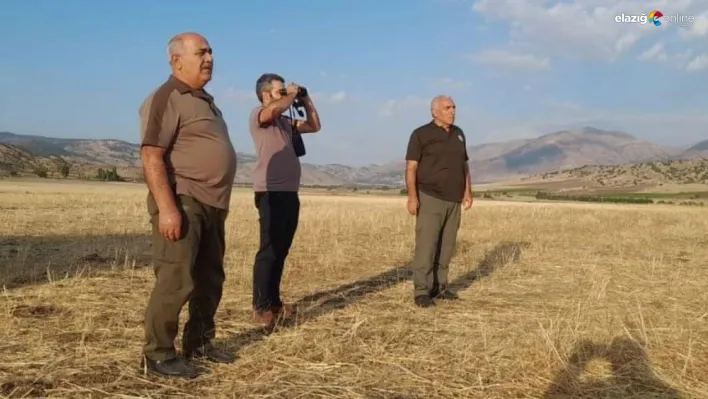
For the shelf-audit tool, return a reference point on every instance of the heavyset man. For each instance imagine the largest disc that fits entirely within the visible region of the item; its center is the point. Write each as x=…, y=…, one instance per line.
x=189, y=165
x=438, y=181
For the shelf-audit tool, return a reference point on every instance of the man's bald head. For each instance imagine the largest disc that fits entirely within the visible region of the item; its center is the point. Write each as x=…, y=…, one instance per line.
x=443, y=109
x=437, y=100
x=191, y=58
x=177, y=44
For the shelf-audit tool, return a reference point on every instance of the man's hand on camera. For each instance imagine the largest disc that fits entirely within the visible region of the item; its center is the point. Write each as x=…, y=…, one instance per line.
x=292, y=88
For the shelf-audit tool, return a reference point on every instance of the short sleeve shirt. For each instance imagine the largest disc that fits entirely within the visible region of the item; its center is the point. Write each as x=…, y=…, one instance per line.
x=441, y=157
x=278, y=167
x=200, y=158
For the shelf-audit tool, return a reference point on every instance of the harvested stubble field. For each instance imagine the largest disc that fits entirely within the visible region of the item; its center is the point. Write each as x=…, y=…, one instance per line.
x=558, y=300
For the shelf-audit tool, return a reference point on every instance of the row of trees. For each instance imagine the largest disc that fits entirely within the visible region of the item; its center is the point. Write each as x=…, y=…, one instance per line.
x=64, y=168
x=592, y=198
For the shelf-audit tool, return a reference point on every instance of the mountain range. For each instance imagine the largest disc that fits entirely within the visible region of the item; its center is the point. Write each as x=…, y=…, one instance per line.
x=489, y=162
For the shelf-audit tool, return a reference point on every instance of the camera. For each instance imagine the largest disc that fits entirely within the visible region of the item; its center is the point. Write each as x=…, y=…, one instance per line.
x=299, y=101
x=301, y=92
x=299, y=97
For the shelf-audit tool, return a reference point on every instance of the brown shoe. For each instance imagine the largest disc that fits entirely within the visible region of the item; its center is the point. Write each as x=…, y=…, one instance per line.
x=286, y=310
x=265, y=318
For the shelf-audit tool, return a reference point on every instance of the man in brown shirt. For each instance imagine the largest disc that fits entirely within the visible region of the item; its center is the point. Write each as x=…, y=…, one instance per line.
x=276, y=181
x=189, y=165
x=438, y=180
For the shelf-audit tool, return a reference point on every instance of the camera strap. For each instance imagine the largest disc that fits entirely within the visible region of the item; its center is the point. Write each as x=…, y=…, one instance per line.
x=298, y=144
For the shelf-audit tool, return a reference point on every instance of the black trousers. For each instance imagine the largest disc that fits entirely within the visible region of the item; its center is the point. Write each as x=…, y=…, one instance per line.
x=278, y=212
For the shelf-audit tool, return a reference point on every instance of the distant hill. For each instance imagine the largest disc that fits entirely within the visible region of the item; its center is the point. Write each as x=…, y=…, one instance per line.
x=563, y=150
x=698, y=150
x=91, y=154
x=14, y=160
x=630, y=176
x=489, y=162
x=113, y=152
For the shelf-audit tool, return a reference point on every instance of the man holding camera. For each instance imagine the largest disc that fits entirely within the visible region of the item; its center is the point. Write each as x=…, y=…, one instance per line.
x=276, y=182
x=438, y=180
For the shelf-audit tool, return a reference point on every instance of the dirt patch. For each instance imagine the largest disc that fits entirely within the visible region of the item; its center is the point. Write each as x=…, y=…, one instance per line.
x=93, y=258
x=25, y=388
x=74, y=337
x=41, y=311
x=96, y=376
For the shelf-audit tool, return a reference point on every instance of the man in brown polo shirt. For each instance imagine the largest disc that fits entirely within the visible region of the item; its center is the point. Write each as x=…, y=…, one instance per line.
x=189, y=165
x=276, y=181
x=438, y=180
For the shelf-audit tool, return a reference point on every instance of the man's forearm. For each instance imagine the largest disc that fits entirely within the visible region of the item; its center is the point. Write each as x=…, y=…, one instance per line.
x=156, y=179
x=279, y=106
x=411, y=183
x=313, y=119
x=468, y=180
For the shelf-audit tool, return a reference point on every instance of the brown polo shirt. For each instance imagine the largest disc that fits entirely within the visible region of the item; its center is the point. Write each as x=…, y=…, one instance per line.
x=441, y=157
x=200, y=159
x=278, y=167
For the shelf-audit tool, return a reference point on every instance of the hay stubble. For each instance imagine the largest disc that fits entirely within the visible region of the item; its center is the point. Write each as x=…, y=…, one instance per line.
x=557, y=301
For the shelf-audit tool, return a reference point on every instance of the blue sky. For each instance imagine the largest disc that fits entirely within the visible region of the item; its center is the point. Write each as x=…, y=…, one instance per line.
x=515, y=68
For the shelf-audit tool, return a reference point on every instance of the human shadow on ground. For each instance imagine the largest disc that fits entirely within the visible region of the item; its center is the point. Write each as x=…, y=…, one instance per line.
x=32, y=260
x=320, y=303
x=502, y=254
x=632, y=375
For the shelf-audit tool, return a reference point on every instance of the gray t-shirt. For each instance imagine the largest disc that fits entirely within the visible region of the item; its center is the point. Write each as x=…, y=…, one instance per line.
x=277, y=167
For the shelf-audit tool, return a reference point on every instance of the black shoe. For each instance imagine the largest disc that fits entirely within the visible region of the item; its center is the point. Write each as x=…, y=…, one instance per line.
x=446, y=295
x=211, y=354
x=424, y=301
x=174, y=367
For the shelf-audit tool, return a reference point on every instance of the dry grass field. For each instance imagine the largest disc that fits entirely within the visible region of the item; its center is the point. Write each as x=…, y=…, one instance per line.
x=557, y=300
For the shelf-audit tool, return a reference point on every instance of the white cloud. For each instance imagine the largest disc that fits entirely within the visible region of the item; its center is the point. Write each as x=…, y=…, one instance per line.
x=241, y=95
x=247, y=96
x=698, y=63
x=507, y=59
x=450, y=84
x=685, y=60
x=562, y=105
x=405, y=105
x=338, y=97
x=581, y=28
x=326, y=98
x=657, y=53
x=698, y=29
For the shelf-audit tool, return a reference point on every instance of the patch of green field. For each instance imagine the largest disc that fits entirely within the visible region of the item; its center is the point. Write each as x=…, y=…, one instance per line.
x=680, y=195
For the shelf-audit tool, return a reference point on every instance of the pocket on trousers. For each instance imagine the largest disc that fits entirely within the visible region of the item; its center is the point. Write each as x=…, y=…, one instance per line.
x=179, y=251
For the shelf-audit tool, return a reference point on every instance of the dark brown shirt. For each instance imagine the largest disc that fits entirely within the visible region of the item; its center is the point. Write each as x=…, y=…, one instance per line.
x=441, y=157
x=278, y=167
x=200, y=159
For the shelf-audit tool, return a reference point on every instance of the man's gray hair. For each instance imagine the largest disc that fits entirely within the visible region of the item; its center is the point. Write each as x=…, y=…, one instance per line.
x=176, y=44
x=265, y=83
x=436, y=100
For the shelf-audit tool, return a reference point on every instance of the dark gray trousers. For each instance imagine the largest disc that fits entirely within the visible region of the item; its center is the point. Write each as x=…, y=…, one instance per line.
x=436, y=229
